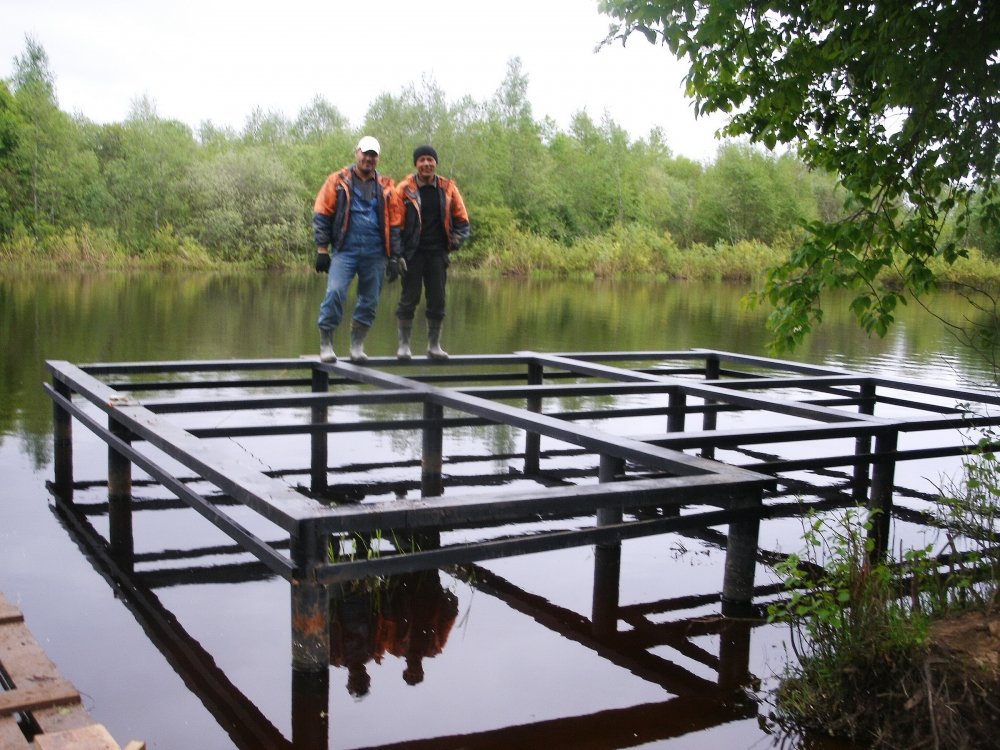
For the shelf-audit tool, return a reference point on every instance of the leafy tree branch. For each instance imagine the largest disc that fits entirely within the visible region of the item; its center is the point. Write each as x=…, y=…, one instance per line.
x=900, y=100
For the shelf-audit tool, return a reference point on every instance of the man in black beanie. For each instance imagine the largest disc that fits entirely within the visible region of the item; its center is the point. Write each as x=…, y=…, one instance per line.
x=435, y=222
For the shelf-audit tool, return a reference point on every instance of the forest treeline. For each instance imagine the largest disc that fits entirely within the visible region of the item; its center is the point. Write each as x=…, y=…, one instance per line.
x=588, y=200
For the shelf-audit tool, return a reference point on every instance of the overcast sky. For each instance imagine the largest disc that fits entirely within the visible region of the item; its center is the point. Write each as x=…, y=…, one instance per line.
x=201, y=60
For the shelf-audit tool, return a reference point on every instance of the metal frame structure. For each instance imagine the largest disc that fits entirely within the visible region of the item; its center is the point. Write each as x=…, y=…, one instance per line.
x=634, y=473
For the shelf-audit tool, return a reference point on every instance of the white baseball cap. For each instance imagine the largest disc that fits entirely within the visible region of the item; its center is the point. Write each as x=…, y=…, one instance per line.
x=369, y=144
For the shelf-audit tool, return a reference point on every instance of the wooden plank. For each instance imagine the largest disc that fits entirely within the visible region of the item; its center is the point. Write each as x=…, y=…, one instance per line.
x=58, y=718
x=61, y=718
x=46, y=695
x=22, y=657
x=8, y=612
x=38, y=689
x=28, y=666
x=11, y=736
x=92, y=737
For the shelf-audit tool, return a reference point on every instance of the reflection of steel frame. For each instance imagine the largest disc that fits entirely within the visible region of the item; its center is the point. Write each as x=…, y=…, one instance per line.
x=635, y=474
x=234, y=712
x=697, y=704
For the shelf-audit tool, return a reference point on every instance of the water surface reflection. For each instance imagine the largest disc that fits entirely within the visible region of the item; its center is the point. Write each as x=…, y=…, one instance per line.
x=524, y=655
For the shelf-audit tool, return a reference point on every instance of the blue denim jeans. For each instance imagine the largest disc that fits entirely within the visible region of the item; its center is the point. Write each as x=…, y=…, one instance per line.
x=369, y=267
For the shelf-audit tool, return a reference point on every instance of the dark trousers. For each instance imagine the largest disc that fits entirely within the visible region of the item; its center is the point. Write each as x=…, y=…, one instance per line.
x=430, y=272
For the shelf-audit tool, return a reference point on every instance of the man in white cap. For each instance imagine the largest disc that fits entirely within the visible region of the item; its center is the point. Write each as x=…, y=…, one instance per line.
x=356, y=223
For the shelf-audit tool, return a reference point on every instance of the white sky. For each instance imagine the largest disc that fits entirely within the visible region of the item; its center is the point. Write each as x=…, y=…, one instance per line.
x=201, y=60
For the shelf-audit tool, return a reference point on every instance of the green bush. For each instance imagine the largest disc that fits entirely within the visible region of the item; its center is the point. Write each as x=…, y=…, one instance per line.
x=852, y=628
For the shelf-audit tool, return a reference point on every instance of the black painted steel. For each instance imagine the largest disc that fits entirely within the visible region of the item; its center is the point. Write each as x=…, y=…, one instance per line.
x=143, y=425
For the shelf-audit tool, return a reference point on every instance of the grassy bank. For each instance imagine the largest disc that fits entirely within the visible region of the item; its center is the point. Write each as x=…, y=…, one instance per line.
x=622, y=252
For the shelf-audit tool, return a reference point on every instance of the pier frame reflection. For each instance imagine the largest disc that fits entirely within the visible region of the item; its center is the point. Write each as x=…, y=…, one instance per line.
x=645, y=484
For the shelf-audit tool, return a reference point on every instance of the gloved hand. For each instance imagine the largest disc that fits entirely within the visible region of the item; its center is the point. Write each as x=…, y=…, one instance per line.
x=396, y=268
x=322, y=262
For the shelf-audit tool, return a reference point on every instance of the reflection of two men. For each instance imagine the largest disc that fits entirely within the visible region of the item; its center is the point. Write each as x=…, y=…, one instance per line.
x=408, y=616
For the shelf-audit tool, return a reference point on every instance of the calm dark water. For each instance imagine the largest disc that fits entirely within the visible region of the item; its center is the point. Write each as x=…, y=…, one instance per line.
x=505, y=668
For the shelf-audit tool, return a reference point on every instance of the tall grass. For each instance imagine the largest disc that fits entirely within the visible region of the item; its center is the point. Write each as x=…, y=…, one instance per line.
x=624, y=250
x=92, y=248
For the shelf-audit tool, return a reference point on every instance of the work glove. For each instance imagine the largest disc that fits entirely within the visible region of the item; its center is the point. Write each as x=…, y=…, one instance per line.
x=322, y=262
x=396, y=268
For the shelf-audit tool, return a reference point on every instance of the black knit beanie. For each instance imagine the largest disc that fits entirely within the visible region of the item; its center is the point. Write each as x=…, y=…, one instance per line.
x=424, y=151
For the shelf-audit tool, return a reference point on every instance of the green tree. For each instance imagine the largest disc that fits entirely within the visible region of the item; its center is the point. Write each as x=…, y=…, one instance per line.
x=145, y=162
x=418, y=115
x=247, y=207
x=668, y=189
x=214, y=137
x=518, y=159
x=266, y=128
x=898, y=99
x=35, y=100
x=594, y=174
x=749, y=195
x=10, y=133
x=982, y=234
x=59, y=181
x=392, y=120
x=578, y=171
x=316, y=121
x=321, y=141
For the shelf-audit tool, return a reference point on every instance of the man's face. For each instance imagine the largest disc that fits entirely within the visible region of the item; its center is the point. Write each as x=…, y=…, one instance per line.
x=426, y=167
x=366, y=162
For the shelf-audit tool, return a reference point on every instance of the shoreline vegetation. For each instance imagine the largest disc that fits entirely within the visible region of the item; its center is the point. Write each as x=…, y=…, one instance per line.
x=621, y=252
x=899, y=650
x=586, y=201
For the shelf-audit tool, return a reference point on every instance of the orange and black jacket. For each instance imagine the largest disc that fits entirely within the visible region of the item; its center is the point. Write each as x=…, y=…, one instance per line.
x=332, y=211
x=454, y=217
